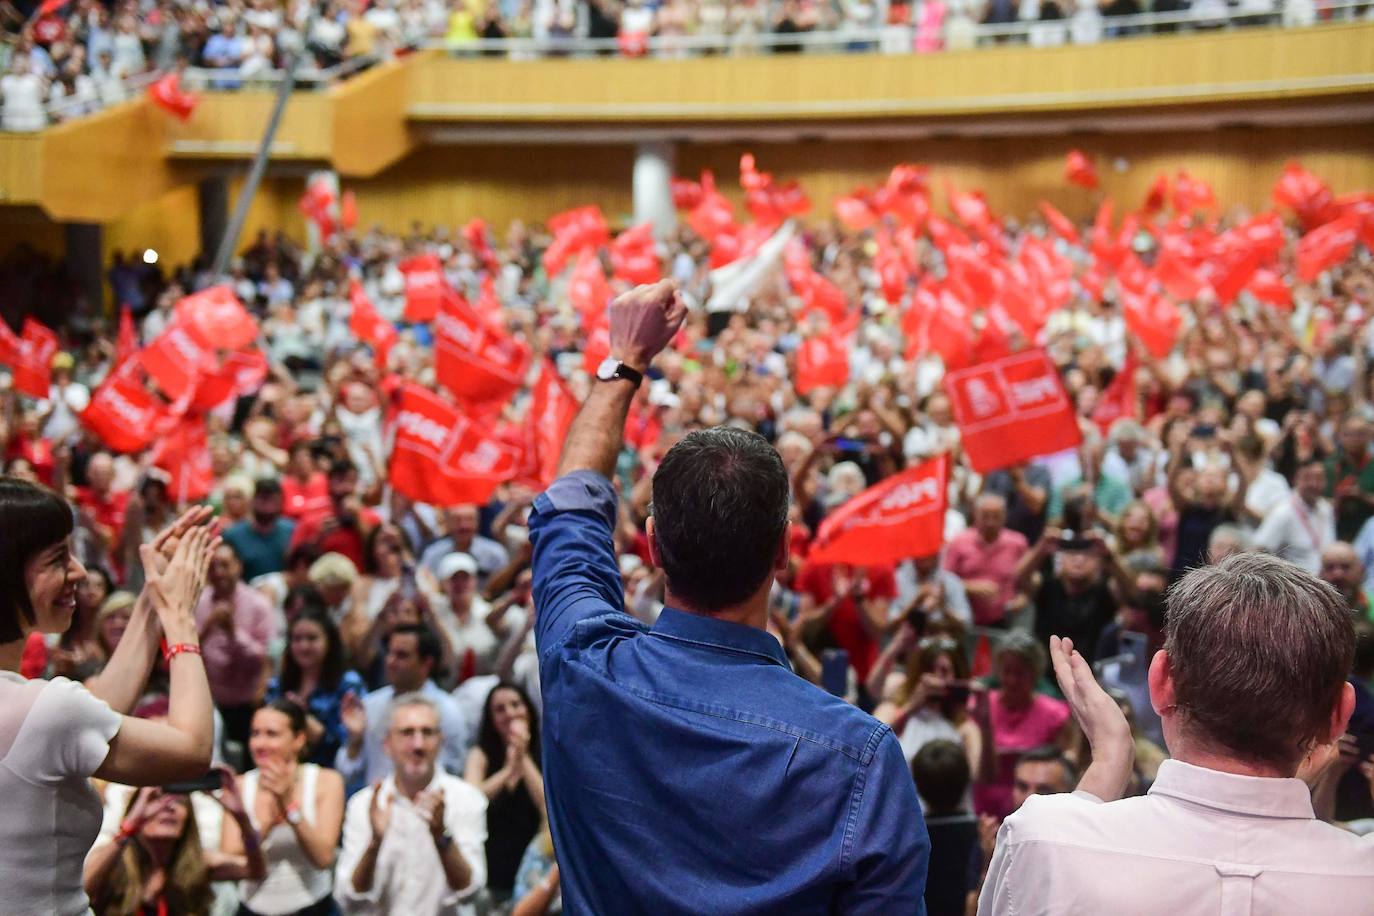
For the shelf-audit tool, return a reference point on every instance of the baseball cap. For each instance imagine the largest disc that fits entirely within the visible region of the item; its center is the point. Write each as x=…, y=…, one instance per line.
x=455, y=563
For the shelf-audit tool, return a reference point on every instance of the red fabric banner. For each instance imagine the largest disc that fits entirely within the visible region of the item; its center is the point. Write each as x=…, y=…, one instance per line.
x=588, y=290
x=176, y=359
x=476, y=362
x=425, y=287
x=547, y=420
x=123, y=414
x=1061, y=224
x=241, y=373
x=1119, y=399
x=822, y=361
x=1080, y=170
x=1269, y=286
x=217, y=317
x=32, y=365
x=897, y=519
x=126, y=343
x=1327, y=246
x=184, y=453
x=634, y=258
x=444, y=458
x=1306, y=195
x=1153, y=319
x=168, y=95
x=367, y=325
x=1011, y=410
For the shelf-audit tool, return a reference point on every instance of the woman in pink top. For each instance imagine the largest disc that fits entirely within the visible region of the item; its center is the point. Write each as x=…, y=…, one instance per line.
x=55, y=735
x=1021, y=718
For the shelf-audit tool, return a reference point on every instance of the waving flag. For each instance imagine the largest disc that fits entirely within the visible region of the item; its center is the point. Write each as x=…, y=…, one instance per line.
x=32, y=354
x=897, y=519
x=1011, y=410
x=425, y=287
x=1061, y=224
x=168, y=95
x=123, y=414
x=369, y=326
x=1079, y=170
x=216, y=317
x=176, y=359
x=547, y=420
x=444, y=458
x=477, y=362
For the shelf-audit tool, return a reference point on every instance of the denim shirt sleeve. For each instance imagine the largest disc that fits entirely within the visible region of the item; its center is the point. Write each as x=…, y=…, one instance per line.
x=576, y=575
x=887, y=850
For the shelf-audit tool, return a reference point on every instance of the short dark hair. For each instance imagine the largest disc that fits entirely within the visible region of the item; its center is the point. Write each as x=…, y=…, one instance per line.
x=1048, y=753
x=331, y=669
x=32, y=519
x=291, y=709
x=1259, y=651
x=942, y=774
x=720, y=509
x=267, y=486
x=429, y=645
x=340, y=467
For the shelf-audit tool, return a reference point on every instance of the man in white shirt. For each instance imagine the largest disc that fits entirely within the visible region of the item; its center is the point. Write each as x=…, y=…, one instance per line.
x=413, y=651
x=1299, y=528
x=1249, y=685
x=413, y=843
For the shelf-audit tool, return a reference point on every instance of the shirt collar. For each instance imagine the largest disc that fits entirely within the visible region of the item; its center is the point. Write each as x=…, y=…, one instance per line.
x=721, y=634
x=1260, y=796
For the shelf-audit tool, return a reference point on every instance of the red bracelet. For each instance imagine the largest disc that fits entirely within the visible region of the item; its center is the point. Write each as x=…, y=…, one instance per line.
x=172, y=652
x=126, y=832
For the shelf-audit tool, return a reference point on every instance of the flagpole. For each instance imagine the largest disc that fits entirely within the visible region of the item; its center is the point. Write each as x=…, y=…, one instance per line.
x=229, y=243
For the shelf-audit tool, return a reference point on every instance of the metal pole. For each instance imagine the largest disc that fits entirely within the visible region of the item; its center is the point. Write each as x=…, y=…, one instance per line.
x=229, y=243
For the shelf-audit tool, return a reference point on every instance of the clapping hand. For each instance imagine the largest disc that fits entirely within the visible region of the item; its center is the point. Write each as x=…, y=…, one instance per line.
x=174, y=588
x=379, y=813
x=1101, y=720
x=353, y=715
x=431, y=807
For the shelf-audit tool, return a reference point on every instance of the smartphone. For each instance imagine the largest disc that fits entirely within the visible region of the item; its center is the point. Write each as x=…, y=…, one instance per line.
x=835, y=671
x=1205, y=431
x=957, y=692
x=207, y=783
x=850, y=445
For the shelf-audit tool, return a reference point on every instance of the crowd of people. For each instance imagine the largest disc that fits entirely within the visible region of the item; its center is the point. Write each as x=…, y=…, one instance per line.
x=371, y=658
x=63, y=60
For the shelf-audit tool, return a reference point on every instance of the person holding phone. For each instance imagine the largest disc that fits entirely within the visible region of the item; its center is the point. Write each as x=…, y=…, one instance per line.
x=71, y=732
x=314, y=677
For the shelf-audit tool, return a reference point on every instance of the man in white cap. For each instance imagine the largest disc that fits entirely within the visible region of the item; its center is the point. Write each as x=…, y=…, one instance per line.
x=475, y=633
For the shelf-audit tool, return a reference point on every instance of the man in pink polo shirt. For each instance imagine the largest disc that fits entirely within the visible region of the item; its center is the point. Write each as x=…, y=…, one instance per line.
x=985, y=558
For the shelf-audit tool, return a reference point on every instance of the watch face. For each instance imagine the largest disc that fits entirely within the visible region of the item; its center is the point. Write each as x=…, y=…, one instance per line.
x=606, y=371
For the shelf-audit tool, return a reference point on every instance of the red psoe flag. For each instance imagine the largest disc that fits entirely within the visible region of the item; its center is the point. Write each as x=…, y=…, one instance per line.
x=242, y=373
x=33, y=362
x=1011, y=410
x=425, y=287
x=217, y=317
x=1119, y=399
x=1061, y=224
x=1192, y=194
x=587, y=288
x=633, y=256
x=1306, y=195
x=1157, y=196
x=1152, y=319
x=477, y=362
x=184, y=453
x=822, y=361
x=1080, y=170
x=444, y=458
x=126, y=343
x=1327, y=246
x=550, y=415
x=897, y=519
x=369, y=326
x=168, y=95
x=1268, y=286
x=176, y=359
x=123, y=414
x=686, y=193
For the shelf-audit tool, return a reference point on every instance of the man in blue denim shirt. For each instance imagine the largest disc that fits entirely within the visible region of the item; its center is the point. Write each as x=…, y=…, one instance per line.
x=688, y=769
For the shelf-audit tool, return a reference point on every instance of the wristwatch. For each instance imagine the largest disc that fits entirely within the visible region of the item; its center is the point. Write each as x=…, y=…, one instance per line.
x=293, y=814
x=444, y=842
x=612, y=368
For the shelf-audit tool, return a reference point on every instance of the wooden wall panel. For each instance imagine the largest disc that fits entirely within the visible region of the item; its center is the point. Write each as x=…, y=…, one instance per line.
x=370, y=127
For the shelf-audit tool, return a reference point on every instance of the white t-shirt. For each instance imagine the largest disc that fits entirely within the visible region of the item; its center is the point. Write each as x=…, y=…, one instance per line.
x=53, y=736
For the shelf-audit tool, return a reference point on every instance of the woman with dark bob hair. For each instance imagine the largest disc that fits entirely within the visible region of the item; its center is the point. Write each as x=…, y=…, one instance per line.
x=55, y=735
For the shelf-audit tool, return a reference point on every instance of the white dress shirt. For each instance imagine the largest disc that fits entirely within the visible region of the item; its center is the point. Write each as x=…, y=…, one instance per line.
x=1297, y=532
x=1202, y=842
x=409, y=878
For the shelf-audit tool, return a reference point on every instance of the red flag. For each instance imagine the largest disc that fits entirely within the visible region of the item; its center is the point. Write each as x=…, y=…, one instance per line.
x=633, y=256
x=822, y=360
x=943, y=328
x=425, y=287
x=855, y=211
x=476, y=234
x=123, y=414
x=971, y=209
x=1011, y=410
x=1061, y=224
x=1174, y=273
x=348, y=211
x=126, y=343
x=1306, y=195
x=1233, y=272
x=897, y=519
x=573, y=230
x=317, y=205
x=686, y=193
x=598, y=346
x=1153, y=319
x=242, y=373
x=547, y=420
x=369, y=326
x=444, y=458
x=49, y=7
x=184, y=453
x=475, y=361
x=33, y=352
x=1157, y=196
x=176, y=359
x=168, y=95
x=1119, y=399
x=217, y=317
x=1327, y=246
x=1268, y=286
x=1192, y=194
x=1079, y=170
x=587, y=288
x=714, y=215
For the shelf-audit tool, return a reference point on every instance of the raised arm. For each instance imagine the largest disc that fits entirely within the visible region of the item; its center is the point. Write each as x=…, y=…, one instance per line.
x=1102, y=722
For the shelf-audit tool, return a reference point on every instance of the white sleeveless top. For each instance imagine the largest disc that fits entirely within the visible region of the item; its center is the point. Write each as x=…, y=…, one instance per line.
x=293, y=882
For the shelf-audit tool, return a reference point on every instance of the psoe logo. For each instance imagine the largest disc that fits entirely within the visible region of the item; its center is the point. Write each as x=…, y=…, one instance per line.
x=1034, y=390
x=982, y=400
x=916, y=493
x=422, y=427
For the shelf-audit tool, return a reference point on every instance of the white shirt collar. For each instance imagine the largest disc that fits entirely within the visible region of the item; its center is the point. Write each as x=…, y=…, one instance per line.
x=1259, y=796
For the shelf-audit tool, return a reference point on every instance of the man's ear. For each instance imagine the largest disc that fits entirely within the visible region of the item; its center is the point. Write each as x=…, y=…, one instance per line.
x=784, y=554
x=652, y=537
x=1340, y=713
x=1161, y=681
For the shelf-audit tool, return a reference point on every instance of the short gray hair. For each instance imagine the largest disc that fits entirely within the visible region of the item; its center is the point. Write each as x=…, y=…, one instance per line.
x=407, y=700
x=1259, y=651
x=1025, y=647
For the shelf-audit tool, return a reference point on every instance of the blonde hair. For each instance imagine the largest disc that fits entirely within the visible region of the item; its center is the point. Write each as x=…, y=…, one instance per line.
x=187, y=885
